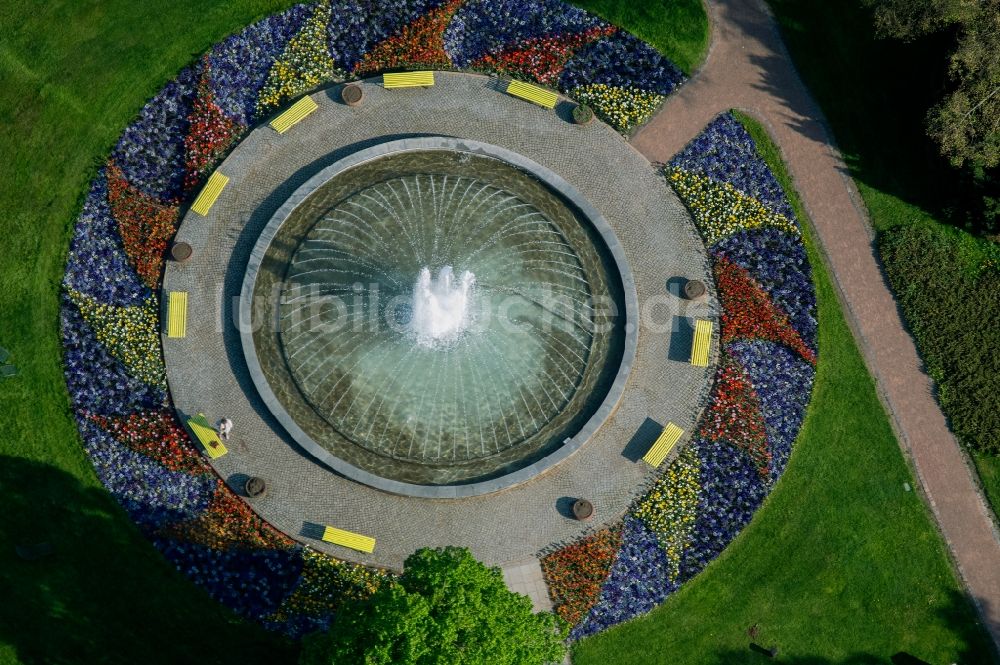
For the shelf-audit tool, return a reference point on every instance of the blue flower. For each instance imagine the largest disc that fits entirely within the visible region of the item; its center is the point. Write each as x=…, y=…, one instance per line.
x=150, y=151
x=725, y=152
x=621, y=60
x=731, y=491
x=240, y=63
x=481, y=27
x=98, y=382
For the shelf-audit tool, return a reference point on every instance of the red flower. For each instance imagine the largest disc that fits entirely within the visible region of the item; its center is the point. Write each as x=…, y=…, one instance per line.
x=157, y=435
x=734, y=415
x=541, y=58
x=145, y=225
x=748, y=312
x=576, y=573
x=419, y=43
x=210, y=133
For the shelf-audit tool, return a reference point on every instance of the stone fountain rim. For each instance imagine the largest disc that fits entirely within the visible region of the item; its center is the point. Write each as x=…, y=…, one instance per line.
x=422, y=144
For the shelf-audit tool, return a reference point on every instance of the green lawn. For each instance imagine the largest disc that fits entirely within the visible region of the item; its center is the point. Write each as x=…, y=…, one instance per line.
x=72, y=75
x=841, y=564
x=857, y=79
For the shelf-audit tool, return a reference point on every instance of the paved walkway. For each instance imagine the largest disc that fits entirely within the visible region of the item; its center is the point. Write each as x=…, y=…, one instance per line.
x=526, y=577
x=749, y=68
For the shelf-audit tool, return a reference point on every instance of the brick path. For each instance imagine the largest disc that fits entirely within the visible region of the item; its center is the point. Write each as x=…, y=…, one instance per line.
x=748, y=68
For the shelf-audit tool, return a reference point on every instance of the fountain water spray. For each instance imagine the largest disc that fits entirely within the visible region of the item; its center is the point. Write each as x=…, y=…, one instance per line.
x=441, y=306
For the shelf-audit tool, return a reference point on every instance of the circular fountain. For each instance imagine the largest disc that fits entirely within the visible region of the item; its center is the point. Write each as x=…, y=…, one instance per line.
x=437, y=319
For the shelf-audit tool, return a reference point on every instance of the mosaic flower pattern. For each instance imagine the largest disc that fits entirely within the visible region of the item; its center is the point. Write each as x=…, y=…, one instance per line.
x=719, y=209
x=210, y=132
x=640, y=579
x=541, y=58
x=482, y=27
x=418, y=43
x=129, y=334
x=305, y=63
x=777, y=261
x=144, y=223
x=622, y=61
x=99, y=383
x=703, y=499
x=669, y=508
x=150, y=152
x=110, y=310
x=98, y=266
x=725, y=153
x=241, y=63
x=324, y=580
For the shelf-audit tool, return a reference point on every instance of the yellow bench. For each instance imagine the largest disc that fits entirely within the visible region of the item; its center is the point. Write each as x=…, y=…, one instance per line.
x=702, y=343
x=207, y=436
x=408, y=80
x=177, y=308
x=663, y=445
x=209, y=193
x=295, y=113
x=347, y=539
x=533, y=93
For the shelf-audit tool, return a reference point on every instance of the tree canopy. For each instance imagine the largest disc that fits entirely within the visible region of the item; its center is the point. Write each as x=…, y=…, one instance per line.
x=446, y=608
x=966, y=123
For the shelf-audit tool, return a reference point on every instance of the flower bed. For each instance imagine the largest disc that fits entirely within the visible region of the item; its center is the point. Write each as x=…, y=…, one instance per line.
x=575, y=573
x=710, y=491
x=110, y=309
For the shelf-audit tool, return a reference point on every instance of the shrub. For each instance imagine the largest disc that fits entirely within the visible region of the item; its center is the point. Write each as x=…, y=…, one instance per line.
x=446, y=608
x=948, y=295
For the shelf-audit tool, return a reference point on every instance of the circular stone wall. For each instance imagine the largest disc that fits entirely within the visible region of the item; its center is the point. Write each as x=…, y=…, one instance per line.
x=355, y=375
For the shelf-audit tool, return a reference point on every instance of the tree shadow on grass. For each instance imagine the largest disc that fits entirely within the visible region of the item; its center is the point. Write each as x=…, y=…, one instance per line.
x=956, y=614
x=866, y=88
x=104, y=594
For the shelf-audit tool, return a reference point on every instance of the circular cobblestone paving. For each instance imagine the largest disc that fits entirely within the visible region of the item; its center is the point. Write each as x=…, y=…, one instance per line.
x=207, y=372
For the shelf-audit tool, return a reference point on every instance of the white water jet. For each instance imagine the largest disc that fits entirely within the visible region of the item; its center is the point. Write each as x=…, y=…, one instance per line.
x=441, y=306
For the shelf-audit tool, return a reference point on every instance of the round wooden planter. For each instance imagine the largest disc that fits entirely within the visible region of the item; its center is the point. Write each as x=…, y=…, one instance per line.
x=583, y=509
x=352, y=94
x=694, y=289
x=255, y=487
x=180, y=251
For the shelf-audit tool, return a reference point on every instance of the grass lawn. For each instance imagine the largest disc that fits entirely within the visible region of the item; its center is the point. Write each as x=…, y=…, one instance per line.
x=841, y=564
x=72, y=75
x=856, y=78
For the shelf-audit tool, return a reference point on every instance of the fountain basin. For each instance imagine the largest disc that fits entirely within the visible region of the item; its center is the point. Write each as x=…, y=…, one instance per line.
x=331, y=326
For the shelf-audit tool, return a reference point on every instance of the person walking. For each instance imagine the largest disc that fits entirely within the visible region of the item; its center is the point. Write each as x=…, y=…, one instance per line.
x=225, y=427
